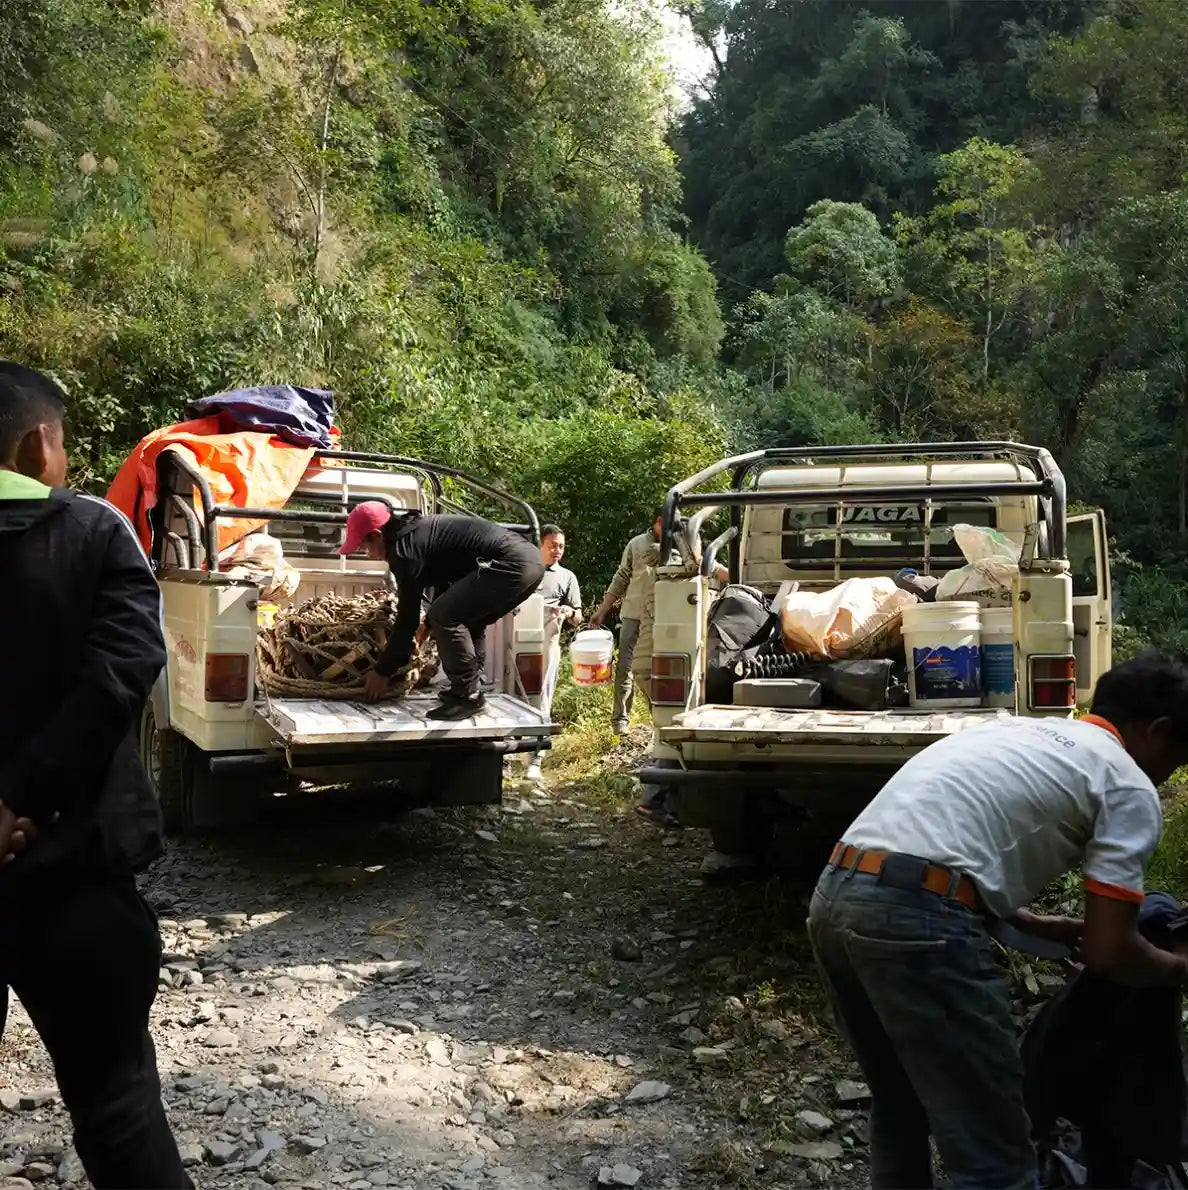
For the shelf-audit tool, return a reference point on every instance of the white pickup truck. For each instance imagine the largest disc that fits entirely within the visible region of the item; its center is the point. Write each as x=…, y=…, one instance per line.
x=211, y=739
x=785, y=782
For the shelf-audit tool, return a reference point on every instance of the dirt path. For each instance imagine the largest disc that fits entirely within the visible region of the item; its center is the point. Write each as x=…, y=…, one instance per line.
x=538, y=996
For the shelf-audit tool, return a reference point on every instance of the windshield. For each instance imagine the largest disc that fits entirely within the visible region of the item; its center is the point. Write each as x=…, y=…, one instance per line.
x=893, y=535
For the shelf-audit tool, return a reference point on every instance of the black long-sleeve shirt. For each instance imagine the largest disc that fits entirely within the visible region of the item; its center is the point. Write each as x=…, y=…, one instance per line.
x=430, y=553
x=82, y=619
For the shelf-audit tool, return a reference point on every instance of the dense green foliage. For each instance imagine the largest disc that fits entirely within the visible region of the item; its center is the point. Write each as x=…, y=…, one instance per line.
x=964, y=220
x=925, y=218
x=462, y=217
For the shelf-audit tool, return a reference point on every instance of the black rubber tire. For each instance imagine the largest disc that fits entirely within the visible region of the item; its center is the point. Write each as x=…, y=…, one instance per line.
x=169, y=761
x=746, y=832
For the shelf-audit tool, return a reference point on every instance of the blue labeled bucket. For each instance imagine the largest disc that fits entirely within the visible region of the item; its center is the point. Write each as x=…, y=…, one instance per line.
x=998, y=656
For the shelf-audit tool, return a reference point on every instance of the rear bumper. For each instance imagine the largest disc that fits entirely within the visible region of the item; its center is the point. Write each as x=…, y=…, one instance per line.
x=706, y=793
x=369, y=761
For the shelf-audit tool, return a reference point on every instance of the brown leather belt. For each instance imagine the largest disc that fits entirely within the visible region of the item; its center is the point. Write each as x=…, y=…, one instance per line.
x=935, y=879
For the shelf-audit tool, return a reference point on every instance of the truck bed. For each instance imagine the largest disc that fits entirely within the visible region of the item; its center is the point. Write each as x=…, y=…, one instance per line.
x=313, y=723
x=766, y=726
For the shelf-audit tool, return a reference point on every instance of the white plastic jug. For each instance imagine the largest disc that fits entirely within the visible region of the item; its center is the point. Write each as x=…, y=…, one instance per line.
x=943, y=646
x=592, y=652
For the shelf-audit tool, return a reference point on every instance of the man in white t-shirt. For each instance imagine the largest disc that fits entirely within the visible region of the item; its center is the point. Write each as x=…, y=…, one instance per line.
x=963, y=837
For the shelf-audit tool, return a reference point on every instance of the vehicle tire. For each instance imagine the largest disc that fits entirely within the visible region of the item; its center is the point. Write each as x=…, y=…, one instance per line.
x=190, y=796
x=166, y=757
x=801, y=846
x=744, y=830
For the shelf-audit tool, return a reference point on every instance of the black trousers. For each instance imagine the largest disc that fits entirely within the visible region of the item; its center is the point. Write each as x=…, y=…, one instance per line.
x=459, y=617
x=84, y=961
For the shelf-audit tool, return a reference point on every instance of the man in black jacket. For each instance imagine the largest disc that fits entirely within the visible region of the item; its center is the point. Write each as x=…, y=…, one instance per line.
x=478, y=573
x=81, y=617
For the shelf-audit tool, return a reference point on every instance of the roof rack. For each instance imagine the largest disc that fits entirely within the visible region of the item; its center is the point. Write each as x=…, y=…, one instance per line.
x=433, y=475
x=744, y=470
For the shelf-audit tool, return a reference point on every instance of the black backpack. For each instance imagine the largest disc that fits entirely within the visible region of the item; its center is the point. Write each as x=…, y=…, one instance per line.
x=740, y=620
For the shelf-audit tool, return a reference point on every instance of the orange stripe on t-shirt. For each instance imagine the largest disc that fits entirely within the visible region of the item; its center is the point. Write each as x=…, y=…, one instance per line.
x=1115, y=892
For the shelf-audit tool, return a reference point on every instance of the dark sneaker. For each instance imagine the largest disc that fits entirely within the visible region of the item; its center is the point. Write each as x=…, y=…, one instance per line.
x=457, y=707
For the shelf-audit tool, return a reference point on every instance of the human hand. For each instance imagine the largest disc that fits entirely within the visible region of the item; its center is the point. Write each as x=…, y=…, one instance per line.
x=420, y=635
x=15, y=834
x=375, y=686
x=597, y=619
x=1052, y=928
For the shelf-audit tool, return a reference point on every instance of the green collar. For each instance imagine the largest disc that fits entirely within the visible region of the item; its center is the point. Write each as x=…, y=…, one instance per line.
x=15, y=486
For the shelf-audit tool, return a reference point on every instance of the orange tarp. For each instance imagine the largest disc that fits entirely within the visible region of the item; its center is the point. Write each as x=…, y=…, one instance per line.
x=247, y=469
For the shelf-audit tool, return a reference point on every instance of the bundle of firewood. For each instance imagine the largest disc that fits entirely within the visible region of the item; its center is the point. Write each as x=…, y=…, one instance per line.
x=323, y=647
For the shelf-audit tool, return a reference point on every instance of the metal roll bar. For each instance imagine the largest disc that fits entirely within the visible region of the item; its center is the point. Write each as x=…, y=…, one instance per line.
x=1049, y=485
x=431, y=472
x=709, y=558
x=435, y=470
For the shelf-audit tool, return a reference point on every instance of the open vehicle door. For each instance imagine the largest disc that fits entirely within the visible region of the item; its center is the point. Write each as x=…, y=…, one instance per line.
x=1093, y=619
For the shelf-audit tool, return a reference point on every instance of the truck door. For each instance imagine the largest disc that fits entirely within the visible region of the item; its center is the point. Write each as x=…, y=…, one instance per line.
x=1089, y=561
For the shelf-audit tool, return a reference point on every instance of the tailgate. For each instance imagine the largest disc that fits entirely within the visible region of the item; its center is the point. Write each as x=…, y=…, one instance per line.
x=313, y=723
x=765, y=726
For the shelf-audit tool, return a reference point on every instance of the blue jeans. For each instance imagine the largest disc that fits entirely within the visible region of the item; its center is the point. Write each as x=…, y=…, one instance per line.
x=916, y=990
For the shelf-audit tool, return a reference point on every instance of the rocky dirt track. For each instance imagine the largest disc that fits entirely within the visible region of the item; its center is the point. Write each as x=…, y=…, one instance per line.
x=543, y=995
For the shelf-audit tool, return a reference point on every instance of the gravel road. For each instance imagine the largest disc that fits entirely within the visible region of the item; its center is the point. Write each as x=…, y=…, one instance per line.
x=545, y=994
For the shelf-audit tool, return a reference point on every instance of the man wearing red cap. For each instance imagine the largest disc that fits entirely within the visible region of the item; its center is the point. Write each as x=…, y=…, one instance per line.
x=477, y=573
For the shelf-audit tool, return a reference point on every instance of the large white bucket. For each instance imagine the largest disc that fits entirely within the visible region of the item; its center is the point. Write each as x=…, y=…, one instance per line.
x=998, y=656
x=592, y=652
x=943, y=646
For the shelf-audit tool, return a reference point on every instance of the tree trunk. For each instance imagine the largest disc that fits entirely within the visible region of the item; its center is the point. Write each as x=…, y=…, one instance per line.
x=1070, y=418
x=323, y=142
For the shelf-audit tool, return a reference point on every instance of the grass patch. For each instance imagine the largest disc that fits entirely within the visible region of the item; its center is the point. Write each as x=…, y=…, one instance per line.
x=589, y=751
x=1168, y=869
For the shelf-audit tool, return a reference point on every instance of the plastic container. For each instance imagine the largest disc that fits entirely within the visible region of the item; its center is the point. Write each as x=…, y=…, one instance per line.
x=943, y=646
x=998, y=656
x=592, y=653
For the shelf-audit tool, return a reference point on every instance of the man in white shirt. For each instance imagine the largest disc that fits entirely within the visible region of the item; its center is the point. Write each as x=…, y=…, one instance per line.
x=962, y=838
x=563, y=605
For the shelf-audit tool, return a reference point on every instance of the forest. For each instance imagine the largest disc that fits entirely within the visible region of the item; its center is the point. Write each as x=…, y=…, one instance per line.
x=496, y=232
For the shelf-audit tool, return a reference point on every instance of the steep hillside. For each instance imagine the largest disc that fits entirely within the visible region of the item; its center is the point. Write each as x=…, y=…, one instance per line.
x=464, y=218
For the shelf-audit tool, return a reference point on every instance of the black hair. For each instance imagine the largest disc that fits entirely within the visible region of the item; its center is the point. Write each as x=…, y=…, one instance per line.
x=551, y=531
x=27, y=399
x=1153, y=685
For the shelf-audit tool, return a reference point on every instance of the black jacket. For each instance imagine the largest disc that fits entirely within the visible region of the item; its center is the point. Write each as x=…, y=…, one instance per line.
x=431, y=553
x=1107, y=1059
x=80, y=620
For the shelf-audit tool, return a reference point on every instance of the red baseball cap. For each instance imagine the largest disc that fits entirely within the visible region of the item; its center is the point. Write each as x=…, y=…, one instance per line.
x=366, y=518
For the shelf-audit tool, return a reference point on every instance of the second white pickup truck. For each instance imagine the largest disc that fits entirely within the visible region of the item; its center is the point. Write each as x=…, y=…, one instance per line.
x=211, y=738
x=756, y=775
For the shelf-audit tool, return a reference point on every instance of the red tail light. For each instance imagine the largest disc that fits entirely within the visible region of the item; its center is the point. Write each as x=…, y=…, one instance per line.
x=530, y=667
x=1053, y=682
x=670, y=679
x=227, y=677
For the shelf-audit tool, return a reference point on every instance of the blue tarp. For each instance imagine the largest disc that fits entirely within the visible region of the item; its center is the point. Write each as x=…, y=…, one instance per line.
x=302, y=416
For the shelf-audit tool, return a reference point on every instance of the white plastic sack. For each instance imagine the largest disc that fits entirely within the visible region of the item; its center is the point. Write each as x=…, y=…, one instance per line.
x=258, y=549
x=260, y=558
x=981, y=544
x=989, y=577
x=856, y=619
x=989, y=583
